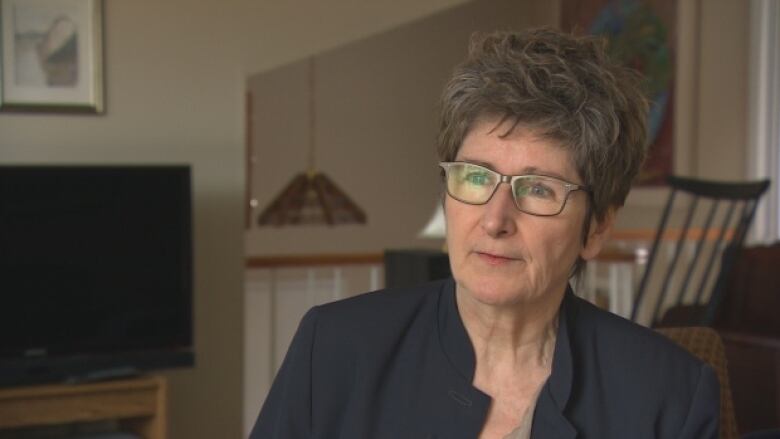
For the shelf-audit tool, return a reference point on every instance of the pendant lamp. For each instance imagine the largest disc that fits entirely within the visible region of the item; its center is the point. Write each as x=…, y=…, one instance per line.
x=436, y=228
x=311, y=197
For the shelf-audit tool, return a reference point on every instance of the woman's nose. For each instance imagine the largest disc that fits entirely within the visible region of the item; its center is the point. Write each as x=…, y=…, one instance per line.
x=498, y=216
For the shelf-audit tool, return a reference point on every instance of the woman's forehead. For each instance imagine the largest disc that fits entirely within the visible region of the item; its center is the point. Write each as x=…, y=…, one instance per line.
x=516, y=150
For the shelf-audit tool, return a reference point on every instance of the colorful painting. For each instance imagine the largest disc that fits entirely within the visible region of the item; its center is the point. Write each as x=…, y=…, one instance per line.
x=642, y=35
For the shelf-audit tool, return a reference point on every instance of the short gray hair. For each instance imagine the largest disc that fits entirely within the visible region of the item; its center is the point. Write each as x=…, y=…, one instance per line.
x=565, y=88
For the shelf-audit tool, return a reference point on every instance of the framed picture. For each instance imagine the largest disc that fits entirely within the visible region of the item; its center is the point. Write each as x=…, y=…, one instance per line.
x=51, y=55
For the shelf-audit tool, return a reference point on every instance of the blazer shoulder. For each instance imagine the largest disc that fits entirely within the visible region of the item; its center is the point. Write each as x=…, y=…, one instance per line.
x=380, y=314
x=376, y=304
x=652, y=382
x=631, y=342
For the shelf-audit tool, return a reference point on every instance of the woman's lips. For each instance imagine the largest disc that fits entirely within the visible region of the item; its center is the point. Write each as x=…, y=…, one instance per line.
x=492, y=259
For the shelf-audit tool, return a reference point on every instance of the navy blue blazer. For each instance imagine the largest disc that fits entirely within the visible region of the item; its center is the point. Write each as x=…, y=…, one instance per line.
x=398, y=364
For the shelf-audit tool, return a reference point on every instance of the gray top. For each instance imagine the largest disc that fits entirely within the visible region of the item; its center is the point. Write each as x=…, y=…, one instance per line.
x=523, y=431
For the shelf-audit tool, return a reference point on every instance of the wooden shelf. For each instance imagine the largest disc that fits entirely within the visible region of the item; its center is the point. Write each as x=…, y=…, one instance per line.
x=138, y=404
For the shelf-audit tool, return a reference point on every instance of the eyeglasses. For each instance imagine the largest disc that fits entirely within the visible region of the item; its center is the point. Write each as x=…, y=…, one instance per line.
x=533, y=194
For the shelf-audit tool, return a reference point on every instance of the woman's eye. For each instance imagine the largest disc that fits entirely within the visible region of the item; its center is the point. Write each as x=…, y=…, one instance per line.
x=478, y=179
x=535, y=190
x=540, y=191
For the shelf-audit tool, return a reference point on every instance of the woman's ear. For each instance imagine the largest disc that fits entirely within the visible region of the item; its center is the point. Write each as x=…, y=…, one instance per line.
x=598, y=235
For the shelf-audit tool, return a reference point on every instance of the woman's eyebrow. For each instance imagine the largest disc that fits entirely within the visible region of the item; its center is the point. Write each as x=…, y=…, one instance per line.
x=533, y=170
x=528, y=170
x=478, y=162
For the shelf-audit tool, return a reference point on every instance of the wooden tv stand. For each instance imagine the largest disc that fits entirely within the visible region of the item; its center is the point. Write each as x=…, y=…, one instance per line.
x=138, y=404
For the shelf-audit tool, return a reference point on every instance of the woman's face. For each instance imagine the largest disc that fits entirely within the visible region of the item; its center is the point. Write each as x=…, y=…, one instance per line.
x=501, y=256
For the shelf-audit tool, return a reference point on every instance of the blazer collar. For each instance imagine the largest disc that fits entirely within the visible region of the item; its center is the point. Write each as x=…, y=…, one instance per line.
x=453, y=336
x=549, y=418
x=449, y=406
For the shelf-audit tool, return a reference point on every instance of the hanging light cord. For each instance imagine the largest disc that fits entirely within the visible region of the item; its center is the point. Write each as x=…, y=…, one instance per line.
x=295, y=205
x=312, y=119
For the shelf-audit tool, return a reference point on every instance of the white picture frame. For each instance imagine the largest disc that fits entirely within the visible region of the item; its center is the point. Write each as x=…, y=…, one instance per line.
x=51, y=55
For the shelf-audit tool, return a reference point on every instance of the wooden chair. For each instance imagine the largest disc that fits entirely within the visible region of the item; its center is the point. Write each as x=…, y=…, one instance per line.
x=705, y=344
x=702, y=229
x=750, y=329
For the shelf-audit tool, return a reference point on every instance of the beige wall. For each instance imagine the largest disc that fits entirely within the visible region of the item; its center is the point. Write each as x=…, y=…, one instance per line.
x=711, y=118
x=368, y=89
x=376, y=126
x=722, y=123
x=176, y=73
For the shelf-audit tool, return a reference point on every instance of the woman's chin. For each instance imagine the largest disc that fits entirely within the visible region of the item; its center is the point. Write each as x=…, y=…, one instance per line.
x=494, y=294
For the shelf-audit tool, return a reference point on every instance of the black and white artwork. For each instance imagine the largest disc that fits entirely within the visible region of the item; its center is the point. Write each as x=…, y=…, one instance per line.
x=51, y=55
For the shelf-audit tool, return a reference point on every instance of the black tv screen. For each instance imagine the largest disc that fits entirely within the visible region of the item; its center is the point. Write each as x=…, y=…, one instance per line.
x=95, y=271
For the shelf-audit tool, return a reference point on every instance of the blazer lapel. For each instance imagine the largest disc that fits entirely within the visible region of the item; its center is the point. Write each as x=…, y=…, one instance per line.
x=549, y=420
x=449, y=406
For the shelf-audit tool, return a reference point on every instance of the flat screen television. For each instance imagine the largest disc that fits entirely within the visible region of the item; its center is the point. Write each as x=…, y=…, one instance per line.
x=95, y=271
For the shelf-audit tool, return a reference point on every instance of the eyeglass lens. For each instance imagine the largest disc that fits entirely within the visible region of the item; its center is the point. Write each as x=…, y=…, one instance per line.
x=474, y=184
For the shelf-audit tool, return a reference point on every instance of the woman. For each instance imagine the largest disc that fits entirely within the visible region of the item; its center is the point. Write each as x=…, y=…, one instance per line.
x=505, y=349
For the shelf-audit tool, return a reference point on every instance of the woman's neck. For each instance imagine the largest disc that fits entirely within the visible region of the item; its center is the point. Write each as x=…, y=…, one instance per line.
x=519, y=335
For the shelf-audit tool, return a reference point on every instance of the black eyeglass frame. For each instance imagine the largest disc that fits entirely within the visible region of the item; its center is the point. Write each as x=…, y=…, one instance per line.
x=510, y=179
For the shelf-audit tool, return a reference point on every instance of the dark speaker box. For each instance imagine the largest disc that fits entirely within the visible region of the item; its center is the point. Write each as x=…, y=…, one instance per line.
x=411, y=267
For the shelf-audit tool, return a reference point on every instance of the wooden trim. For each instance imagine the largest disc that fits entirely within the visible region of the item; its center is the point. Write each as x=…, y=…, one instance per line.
x=139, y=403
x=607, y=255
x=632, y=235
x=314, y=260
x=248, y=162
x=616, y=255
x=669, y=235
x=752, y=340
